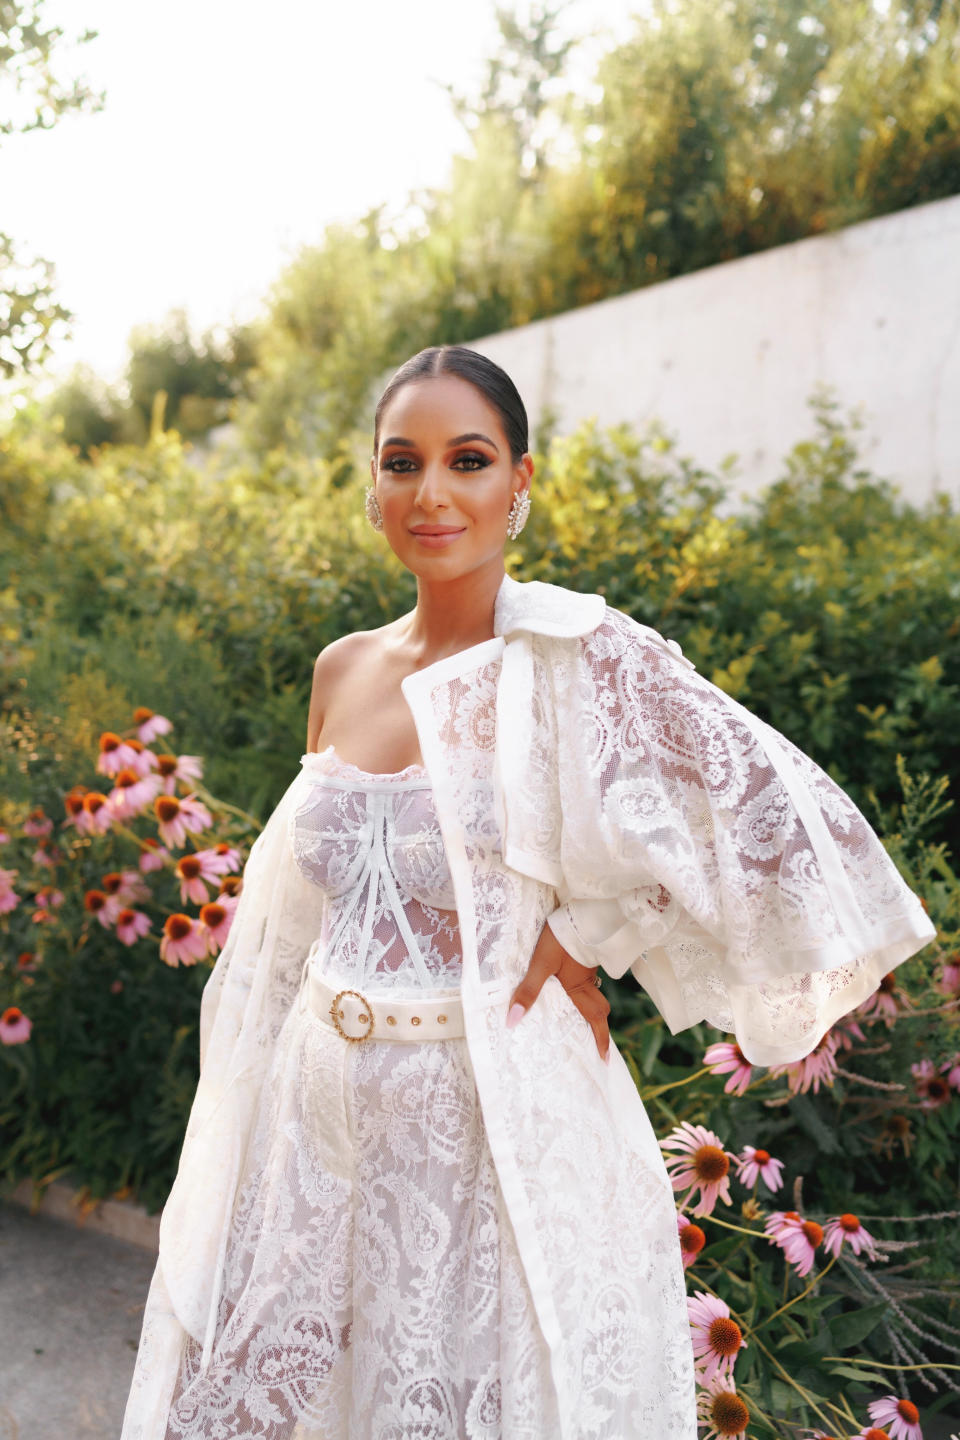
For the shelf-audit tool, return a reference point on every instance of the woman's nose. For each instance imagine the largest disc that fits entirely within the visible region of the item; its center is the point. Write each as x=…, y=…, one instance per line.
x=433, y=487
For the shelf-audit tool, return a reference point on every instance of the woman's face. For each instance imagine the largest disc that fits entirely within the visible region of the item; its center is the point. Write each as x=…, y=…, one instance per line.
x=444, y=477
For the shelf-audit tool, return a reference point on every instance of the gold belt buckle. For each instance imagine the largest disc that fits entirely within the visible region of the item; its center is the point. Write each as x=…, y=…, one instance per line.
x=336, y=1014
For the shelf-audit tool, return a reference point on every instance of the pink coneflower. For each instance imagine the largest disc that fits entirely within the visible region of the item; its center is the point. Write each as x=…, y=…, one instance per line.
x=217, y=917
x=49, y=897
x=115, y=987
x=184, y=941
x=704, y=1165
x=759, y=1164
x=131, y=924
x=144, y=761
x=15, y=1027
x=819, y=1066
x=96, y=817
x=869, y=1432
x=949, y=977
x=901, y=1417
x=4, y=837
x=692, y=1239
x=882, y=1004
x=231, y=885
x=725, y=1057
x=721, y=1409
x=105, y=907
x=9, y=899
x=26, y=962
x=44, y=856
x=178, y=818
x=37, y=824
x=73, y=804
x=188, y=871
x=846, y=1031
x=217, y=861
x=847, y=1230
x=154, y=857
x=114, y=754
x=179, y=767
x=126, y=886
x=133, y=793
x=717, y=1339
x=933, y=1089
x=951, y=1068
x=150, y=725
x=796, y=1237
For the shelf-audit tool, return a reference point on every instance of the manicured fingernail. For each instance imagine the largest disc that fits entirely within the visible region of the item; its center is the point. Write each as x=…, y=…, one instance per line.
x=515, y=1014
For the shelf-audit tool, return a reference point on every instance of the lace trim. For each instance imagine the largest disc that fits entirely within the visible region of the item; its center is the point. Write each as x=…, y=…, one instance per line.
x=328, y=761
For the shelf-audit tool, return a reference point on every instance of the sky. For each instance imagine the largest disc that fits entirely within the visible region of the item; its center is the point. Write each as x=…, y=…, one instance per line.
x=232, y=133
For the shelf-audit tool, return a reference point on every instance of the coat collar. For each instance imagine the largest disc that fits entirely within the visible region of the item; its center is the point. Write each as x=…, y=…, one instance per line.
x=543, y=609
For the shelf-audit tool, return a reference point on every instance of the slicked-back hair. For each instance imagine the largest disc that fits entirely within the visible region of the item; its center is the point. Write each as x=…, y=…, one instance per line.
x=493, y=383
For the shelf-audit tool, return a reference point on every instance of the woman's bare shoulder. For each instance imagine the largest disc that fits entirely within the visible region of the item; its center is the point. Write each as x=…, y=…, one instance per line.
x=334, y=663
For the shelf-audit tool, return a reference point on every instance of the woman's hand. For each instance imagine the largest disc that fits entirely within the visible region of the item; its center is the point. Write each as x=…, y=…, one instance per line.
x=579, y=981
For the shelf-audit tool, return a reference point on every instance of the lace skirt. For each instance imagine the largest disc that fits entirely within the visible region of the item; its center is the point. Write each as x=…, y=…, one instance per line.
x=373, y=1289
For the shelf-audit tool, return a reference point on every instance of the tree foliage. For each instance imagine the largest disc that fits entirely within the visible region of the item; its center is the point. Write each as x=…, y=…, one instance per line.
x=30, y=317
x=717, y=130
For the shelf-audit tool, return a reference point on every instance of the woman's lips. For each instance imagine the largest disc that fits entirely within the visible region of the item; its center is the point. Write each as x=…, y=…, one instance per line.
x=437, y=542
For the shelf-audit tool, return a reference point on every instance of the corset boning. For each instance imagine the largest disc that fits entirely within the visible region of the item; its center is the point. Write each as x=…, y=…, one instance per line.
x=374, y=846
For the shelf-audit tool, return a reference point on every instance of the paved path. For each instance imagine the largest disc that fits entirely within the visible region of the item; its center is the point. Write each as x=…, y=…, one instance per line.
x=71, y=1306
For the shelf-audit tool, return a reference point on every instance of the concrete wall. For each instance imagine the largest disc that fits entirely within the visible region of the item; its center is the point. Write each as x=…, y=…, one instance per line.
x=726, y=358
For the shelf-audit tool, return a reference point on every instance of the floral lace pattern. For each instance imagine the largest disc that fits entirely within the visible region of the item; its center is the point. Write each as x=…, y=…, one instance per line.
x=590, y=1185
x=372, y=844
x=740, y=883
x=372, y=1288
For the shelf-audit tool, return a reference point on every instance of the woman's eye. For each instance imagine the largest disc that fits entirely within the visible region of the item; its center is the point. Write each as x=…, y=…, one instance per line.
x=474, y=455
x=395, y=462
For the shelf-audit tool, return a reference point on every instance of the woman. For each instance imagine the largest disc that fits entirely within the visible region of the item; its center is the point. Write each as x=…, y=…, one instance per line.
x=419, y=1195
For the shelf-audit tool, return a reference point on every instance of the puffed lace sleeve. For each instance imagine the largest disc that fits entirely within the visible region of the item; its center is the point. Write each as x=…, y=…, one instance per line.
x=704, y=852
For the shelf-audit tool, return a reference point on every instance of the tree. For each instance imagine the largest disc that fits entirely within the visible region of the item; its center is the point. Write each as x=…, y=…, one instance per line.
x=28, y=312
x=521, y=88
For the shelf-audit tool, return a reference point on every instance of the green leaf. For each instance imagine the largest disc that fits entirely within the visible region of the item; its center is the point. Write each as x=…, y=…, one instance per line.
x=652, y=1042
x=855, y=1325
x=865, y=1376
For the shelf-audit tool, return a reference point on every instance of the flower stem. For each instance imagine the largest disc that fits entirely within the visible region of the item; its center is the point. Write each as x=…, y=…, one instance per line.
x=673, y=1084
x=881, y=1365
x=802, y=1296
x=804, y=1395
x=740, y=1229
x=216, y=804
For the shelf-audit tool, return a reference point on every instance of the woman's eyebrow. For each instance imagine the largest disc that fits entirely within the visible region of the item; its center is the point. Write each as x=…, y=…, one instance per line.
x=457, y=440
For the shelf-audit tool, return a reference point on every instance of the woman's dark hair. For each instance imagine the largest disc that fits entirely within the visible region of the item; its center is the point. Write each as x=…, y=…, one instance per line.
x=493, y=383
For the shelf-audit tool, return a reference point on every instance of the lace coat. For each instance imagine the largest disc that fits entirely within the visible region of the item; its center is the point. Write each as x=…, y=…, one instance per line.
x=585, y=776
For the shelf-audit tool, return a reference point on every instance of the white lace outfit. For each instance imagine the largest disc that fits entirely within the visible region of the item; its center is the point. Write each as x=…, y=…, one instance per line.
x=339, y=1251
x=388, y=1300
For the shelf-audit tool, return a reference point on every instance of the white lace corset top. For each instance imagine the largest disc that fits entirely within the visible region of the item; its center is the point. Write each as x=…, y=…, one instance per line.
x=372, y=843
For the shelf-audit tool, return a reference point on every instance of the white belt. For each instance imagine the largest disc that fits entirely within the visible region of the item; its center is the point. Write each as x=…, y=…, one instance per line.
x=356, y=1016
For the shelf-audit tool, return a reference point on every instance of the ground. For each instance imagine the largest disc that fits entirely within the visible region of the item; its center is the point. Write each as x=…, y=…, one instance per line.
x=70, y=1317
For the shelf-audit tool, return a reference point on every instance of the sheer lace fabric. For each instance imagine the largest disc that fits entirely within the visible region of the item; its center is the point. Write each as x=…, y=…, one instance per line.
x=373, y=1289
x=711, y=857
